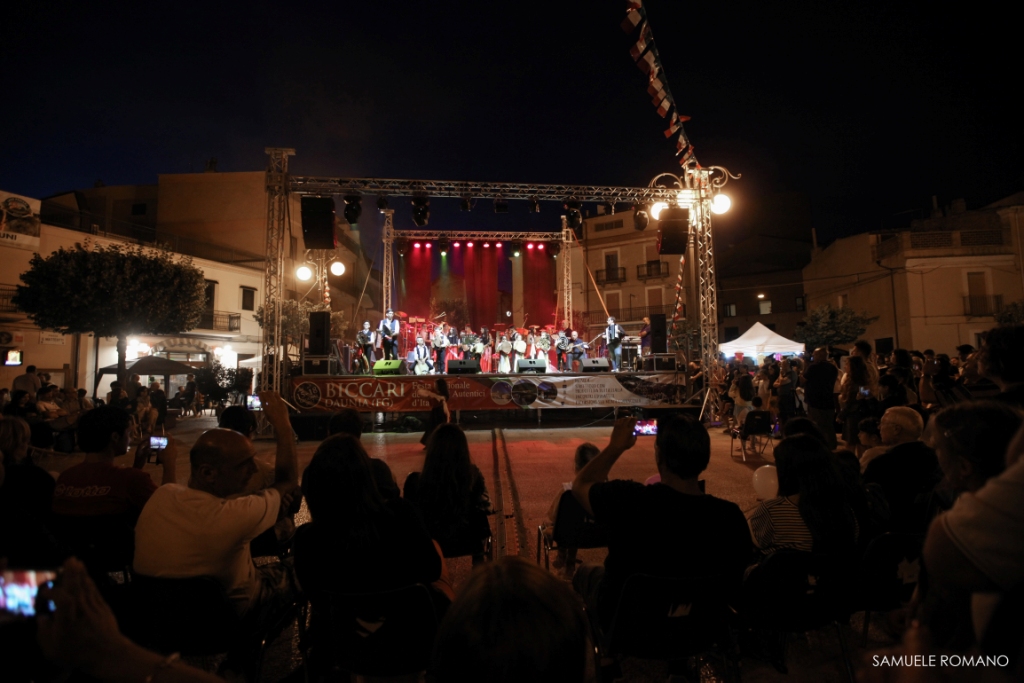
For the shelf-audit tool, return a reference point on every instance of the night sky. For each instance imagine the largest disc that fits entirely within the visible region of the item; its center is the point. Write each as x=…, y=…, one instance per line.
x=860, y=111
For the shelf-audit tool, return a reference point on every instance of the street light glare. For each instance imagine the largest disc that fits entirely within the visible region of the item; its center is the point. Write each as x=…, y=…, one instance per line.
x=721, y=203
x=304, y=273
x=337, y=268
x=657, y=209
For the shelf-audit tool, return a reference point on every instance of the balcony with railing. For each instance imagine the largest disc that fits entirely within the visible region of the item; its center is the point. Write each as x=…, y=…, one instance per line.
x=610, y=275
x=6, y=294
x=220, y=321
x=944, y=243
x=652, y=270
x=976, y=306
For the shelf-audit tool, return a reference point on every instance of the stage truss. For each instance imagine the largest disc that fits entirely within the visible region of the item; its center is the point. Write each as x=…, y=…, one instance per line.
x=698, y=185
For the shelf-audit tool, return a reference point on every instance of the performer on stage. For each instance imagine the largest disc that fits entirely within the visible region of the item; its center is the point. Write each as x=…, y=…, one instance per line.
x=487, y=351
x=441, y=348
x=468, y=343
x=421, y=358
x=578, y=349
x=645, y=337
x=613, y=335
x=453, y=344
x=504, y=349
x=367, y=339
x=388, y=329
x=562, y=350
x=513, y=337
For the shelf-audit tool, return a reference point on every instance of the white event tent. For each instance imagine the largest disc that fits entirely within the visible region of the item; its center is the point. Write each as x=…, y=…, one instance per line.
x=760, y=341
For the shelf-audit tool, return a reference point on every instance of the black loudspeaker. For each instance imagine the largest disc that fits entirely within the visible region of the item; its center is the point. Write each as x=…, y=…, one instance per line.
x=318, y=223
x=463, y=367
x=595, y=365
x=663, y=362
x=388, y=367
x=534, y=365
x=673, y=230
x=317, y=366
x=319, y=334
x=659, y=334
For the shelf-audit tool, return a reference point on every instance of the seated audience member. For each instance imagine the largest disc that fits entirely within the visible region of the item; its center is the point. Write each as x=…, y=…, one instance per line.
x=973, y=553
x=158, y=399
x=970, y=442
x=84, y=402
x=204, y=529
x=346, y=421
x=902, y=425
x=239, y=419
x=97, y=489
x=566, y=557
x=803, y=426
x=742, y=393
x=26, y=493
x=1001, y=361
x=450, y=493
x=667, y=529
x=82, y=634
x=145, y=412
x=868, y=436
x=117, y=396
x=21, y=405
x=513, y=622
x=358, y=542
x=811, y=512
x=385, y=480
x=906, y=472
x=47, y=405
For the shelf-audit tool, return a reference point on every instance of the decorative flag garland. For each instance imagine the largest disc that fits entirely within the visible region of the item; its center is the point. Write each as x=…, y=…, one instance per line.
x=645, y=55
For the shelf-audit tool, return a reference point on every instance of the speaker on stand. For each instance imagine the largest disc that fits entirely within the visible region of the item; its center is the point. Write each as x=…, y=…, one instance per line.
x=318, y=223
x=319, y=334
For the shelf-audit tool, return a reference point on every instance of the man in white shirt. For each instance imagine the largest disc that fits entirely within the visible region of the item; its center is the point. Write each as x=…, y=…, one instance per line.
x=388, y=329
x=204, y=529
x=29, y=382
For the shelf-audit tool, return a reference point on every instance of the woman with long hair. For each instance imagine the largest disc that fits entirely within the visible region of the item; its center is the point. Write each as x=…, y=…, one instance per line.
x=742, y=393
x=812, y=512
x=358, y=541
x=451, y=494
x=857, y=394
x=439, y=412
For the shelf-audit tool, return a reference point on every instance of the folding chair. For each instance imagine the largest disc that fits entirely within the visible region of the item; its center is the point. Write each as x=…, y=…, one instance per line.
x=797, y=592
x=672, y=620
x=574, y=528
x=889, y=573
x=758, y=423
x=383, y=634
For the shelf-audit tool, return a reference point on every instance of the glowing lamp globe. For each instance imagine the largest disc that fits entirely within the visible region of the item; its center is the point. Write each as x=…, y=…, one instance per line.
x=657, y=209
x=721, y=203
x=337, y=268
x=304, y=273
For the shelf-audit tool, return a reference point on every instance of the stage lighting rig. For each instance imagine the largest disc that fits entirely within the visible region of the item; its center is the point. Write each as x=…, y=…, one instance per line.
x=609, y=208
x=382, y=203
x=443, y=244
x=500, y=205
x=573, y=217
x=466, y=204
x=420, y=209
x=554, y=249
x=517, y=247
x=401, y=246
x=353, y=208
x=534, y=205
x=640, y=217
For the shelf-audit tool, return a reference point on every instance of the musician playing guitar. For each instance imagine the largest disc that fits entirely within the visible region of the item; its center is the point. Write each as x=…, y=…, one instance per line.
x=577, y=349
x=614, y=334
x=388, y=329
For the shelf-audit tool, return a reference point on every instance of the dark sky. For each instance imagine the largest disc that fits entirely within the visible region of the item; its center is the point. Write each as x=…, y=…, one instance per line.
x=863, y=110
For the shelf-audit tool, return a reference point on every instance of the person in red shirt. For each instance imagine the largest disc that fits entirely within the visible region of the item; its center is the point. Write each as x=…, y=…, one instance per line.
x=96, y=503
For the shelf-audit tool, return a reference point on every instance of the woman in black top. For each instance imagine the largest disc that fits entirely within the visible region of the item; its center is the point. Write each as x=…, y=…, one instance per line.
x=439, y=413
x=451, y=494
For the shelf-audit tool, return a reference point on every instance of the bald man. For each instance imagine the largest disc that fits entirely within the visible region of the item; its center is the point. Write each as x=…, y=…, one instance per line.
x=205, y=529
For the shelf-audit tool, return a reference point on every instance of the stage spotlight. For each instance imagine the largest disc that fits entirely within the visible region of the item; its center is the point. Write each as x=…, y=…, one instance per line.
x=416, y=245
x=534, y=205
x=337, y=268
x=442, y=244
x=721, y=203
x=500, y=205
x=402, y=245
x=469, y=244
x=540, y=247
x=420, y=210
x=554, y=249
x=353, y=208
x=640, y=217
x=486, y=244
x=573, y=217
x=657, y=208
x=456, y=244
x=529, y=245
x=429, y=245
x=466, y=204
x=498, y=245
x=517, y=247
x=382, y=203
x=304, y=273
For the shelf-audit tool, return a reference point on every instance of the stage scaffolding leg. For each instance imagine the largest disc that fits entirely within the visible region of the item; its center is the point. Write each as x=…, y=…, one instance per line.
x=566, y=273
x=388, y=239
x=706, y=293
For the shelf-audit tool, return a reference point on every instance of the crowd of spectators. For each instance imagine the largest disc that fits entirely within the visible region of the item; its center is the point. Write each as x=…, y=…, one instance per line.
x=922, y=445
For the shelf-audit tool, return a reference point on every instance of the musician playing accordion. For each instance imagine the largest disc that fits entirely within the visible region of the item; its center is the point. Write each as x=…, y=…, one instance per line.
x=613, y=335
x=367, y=339
x=388, y=329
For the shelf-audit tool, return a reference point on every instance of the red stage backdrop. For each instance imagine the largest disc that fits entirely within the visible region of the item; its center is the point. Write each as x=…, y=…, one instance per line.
x=538, y=286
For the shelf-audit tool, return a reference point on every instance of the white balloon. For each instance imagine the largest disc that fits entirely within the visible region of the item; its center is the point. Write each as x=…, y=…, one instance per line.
x=766, y=482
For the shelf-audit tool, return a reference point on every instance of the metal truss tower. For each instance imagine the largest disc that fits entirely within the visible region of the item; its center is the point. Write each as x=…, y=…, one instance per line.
x=567, y=271
x=273, y=285
x=388, y=276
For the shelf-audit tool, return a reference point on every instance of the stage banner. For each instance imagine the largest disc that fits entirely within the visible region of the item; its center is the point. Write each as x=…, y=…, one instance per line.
x=19, y=221
x=471, y=392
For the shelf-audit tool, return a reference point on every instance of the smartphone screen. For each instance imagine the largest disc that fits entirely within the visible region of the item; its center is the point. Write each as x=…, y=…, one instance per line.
x=158, y=443
x=865, y=392
x=18, y=591
x=646, y=428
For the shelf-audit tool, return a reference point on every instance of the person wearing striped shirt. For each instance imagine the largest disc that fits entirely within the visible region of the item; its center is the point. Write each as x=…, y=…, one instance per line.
x=811, y=512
